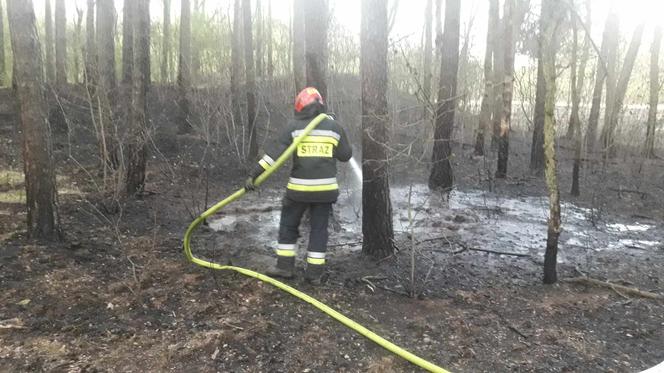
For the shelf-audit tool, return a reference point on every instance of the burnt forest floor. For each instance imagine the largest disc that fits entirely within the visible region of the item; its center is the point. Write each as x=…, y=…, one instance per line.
x=118, y=295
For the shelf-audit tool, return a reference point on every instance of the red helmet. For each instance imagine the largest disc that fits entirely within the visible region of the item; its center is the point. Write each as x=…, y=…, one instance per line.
x=307, y=97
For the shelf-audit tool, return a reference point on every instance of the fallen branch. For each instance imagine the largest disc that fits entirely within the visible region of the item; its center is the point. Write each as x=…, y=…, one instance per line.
x=499, y=252
x=14, y=323
x=620, y=289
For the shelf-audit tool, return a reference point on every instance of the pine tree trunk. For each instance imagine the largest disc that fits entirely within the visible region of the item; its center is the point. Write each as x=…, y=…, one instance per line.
x=442, y=177
x=184, y=68
x=236, y=65
x=621, y=91
x=79, y=49
x=60, y=42
x=438, y=40
x=259, y=39
x=270, y=61
x=600, y=79
x=377, y=227
x=485, y=107
x=106, y=47
x=611, y=79
x=537, y=145
x=649, y=151
x=499, y=81
x=315, y=45
x=40, y=188
x=299, y=61
x=3, y=67
x=195, y=67
x=137, y=152
x=50, y=55
x=90, y=47
x=426, y=51
x=506, y=115
x=166, y=44
x=575, y=120
x=250, y=79
x=548, y=55
x=128, y=22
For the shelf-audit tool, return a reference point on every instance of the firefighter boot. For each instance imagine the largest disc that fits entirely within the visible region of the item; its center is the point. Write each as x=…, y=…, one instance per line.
x=284, y=268
x=314, y=274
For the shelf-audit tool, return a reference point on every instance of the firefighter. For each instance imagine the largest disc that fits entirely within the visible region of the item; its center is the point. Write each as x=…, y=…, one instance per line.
x=312, y=185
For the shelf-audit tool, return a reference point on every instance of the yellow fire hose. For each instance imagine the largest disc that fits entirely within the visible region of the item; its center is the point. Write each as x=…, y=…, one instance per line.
x=288, y=289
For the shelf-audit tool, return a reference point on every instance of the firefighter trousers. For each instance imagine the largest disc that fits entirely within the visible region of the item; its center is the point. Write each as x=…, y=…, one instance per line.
x=291, y=216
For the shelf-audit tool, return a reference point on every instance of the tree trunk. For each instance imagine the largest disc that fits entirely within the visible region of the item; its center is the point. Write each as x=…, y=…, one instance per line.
x=608, y=135
x=377, y=227
x=426, y=51
x=442, y=177
x=195, y=66
x=3, y=67
x=575, y=120
x=600, y=79
x=259, y=39
x=184, y=68
x=50, y=55
x=548, y=55
x=537, y=145
x=270, y=62
x=250, y=80
x=106, y=47
x=90, y=47
x=40, y=188
x=315, y=45
x=611, y=72
x=438, y=41
x=299, y=61
x=79, y=49
x=506, y=116
x=60, y=42
x=138, y=121
x=236, y=65
x=649, y=150
x=128, y=22
x=485, y=107
x=498, y=82
x=166, y=43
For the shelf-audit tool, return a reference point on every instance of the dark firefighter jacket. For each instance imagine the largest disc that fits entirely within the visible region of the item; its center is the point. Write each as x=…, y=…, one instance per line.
x=313, y=177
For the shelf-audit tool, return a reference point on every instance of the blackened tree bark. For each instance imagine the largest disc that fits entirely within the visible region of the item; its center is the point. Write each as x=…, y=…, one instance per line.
x=138, y=120
x=3, y=67
x=236, y=64
x=377, y=230
x=48, y=30
x=506, y=115
x=270, y=61
x=426, y=51
x=40, y=188
x=613, y=45
x=165, y=67
x=548, y=56
x=442, y=177
x=649, y=150
x=128, y=12
x=250, y=78
x=90, y=47
x=184, y=68
x=620, y=90
x=60, y=42
x=610, y=26
x=316, y=19
x=299, y=61
x=485, y=107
